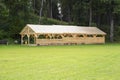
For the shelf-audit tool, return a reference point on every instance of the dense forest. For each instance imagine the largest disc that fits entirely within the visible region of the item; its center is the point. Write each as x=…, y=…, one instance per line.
x=15, y=14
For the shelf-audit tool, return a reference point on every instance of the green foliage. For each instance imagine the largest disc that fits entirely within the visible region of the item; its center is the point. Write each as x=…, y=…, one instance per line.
x=3, y=34
x=79, y=10
x=49, y=21
x=3, y=10
x=81, y=62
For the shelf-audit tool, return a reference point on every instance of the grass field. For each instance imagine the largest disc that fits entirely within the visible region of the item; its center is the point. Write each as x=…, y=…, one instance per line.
x=81, y=62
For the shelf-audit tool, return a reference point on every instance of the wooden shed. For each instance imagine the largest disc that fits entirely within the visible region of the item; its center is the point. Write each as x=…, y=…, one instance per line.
x=61, y=35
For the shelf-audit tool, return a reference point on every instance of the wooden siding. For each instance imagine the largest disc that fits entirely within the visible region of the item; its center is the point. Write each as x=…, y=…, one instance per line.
x=67, y=41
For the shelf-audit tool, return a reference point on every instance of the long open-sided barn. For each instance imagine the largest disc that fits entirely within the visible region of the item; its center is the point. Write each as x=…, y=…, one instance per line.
x=61, y=35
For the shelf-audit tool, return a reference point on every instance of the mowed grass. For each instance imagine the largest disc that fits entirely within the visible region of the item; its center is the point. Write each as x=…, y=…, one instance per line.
x=81, y=62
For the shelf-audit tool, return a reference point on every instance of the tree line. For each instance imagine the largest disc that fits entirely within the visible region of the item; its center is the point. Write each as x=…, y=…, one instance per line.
x=15, y=14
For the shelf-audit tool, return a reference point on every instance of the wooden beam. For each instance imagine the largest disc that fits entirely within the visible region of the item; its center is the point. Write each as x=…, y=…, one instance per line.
x=62, y=35
x=36, y=35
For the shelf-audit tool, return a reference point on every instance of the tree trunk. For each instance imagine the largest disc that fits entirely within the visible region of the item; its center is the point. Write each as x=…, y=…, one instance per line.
x=51, y=16
x=50, y=9
x=112, y=21
x=69, y=15
x=34, y=5
x=90, y=13
x=111, y=28
x=40, y=13
x=98, y=20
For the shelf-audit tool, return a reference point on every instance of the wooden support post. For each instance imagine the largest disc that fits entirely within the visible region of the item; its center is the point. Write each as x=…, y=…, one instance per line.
x=103, y=35
x=74, y=35
x=35, y=38
x=84, y=35
x=22, y=39
x=94, y=35
x=85, y=38
x=53, y=36
x=28, y=39
x=46, y=36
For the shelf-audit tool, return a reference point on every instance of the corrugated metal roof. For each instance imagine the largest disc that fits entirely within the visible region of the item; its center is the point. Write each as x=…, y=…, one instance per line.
x=64, y=29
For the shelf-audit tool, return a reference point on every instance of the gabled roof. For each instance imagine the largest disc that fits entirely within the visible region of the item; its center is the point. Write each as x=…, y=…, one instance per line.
x=58, y=29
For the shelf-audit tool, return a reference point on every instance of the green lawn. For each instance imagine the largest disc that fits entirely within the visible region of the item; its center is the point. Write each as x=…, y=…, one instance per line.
x=81, y=62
